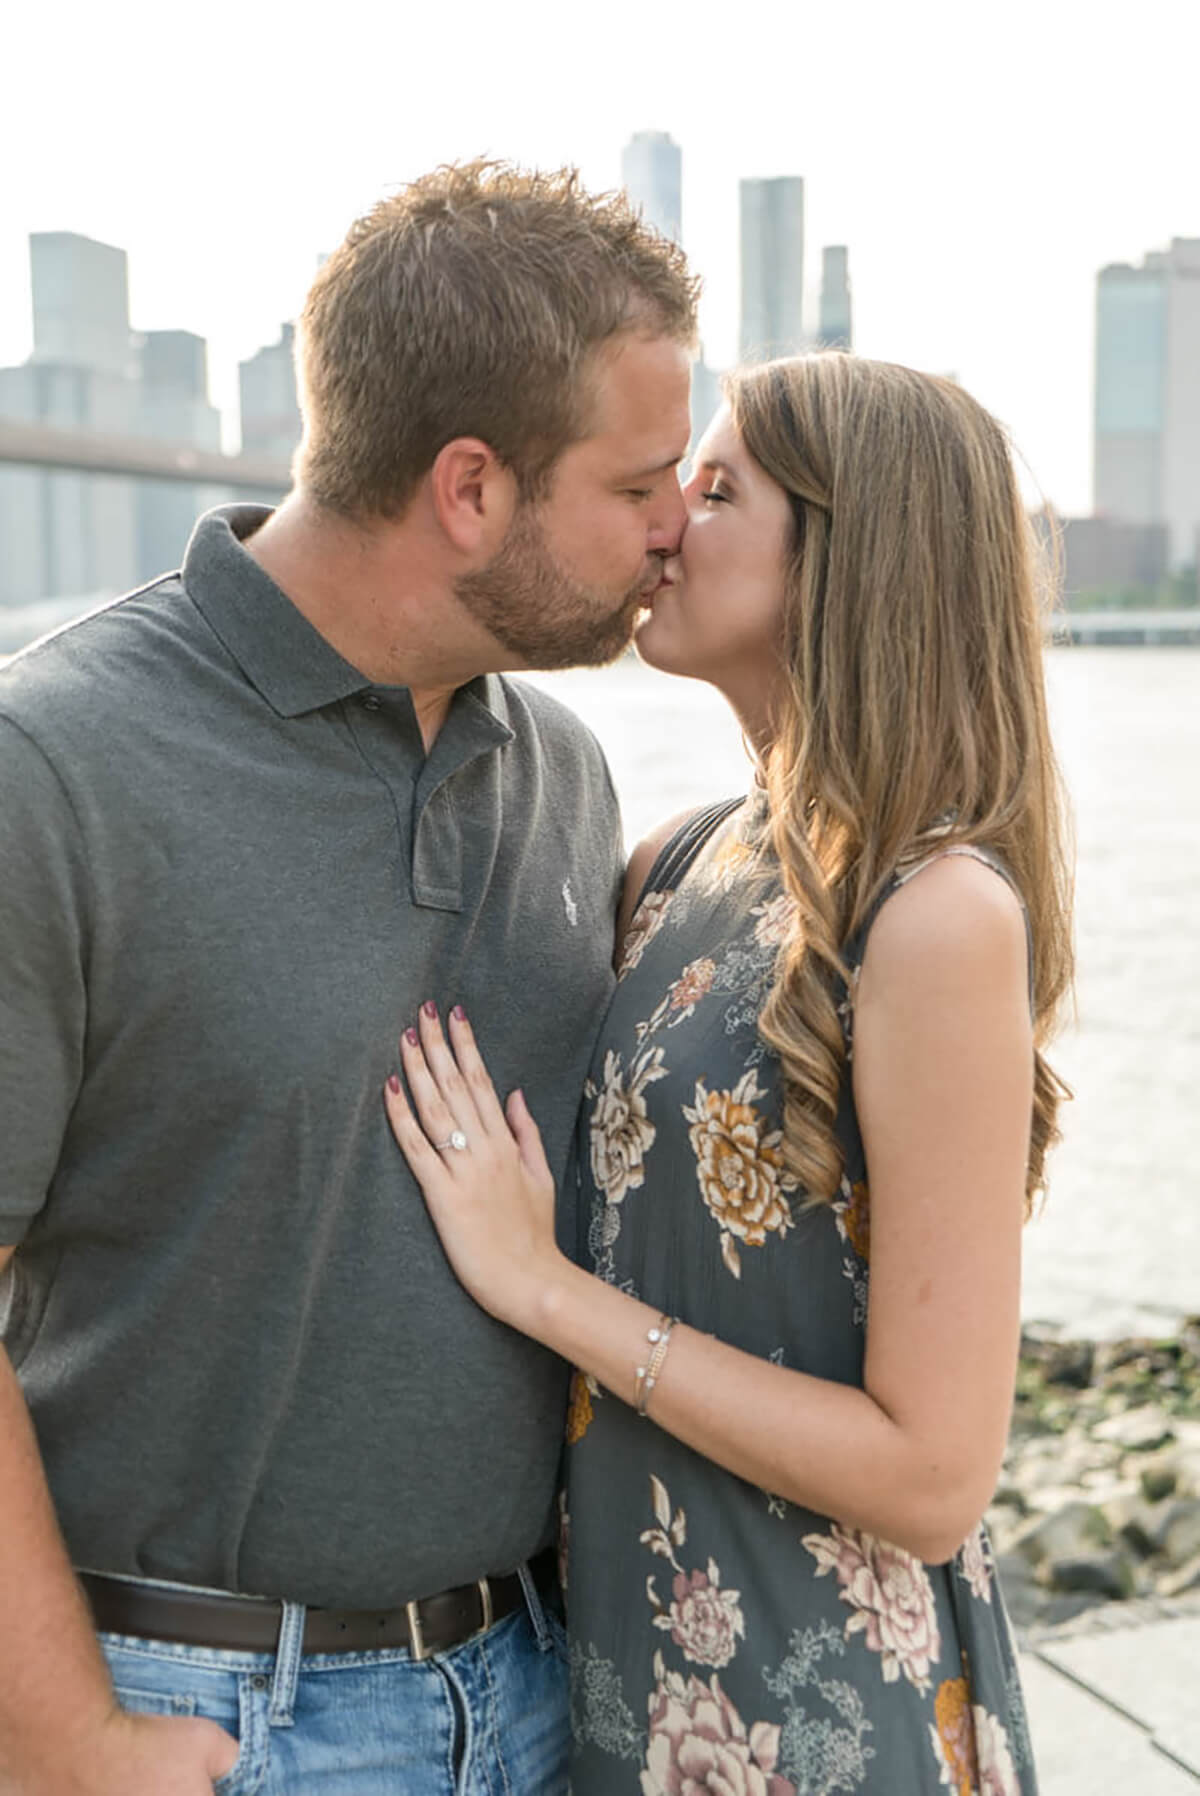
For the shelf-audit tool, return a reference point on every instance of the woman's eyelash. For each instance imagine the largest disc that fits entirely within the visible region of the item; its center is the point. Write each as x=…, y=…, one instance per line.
x=722, y=497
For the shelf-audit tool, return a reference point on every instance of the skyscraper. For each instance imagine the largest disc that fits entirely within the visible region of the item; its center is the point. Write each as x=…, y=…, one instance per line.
x=651, y=174
x=772, y=256
x=271, y=422
x=80, y=302
x=176, y=409
x=836, y=329
x=1147, y=399
x=67, y=533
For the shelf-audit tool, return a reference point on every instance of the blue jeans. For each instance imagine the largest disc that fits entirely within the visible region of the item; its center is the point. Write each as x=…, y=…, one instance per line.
x=487, y=1719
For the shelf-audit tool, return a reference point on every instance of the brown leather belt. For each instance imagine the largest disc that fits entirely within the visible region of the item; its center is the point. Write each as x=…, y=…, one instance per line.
x=435, y=1624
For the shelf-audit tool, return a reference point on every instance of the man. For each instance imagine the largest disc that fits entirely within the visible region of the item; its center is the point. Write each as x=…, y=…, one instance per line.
x=250, y=818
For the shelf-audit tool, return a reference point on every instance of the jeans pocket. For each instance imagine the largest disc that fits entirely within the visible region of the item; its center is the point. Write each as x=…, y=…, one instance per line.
x=145, y=1685
x=153, y=1702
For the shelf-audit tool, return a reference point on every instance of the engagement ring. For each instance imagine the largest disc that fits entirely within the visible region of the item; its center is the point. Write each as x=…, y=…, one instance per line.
x=457, y=1141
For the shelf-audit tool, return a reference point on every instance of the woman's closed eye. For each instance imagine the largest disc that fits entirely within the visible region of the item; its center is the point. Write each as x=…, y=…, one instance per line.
x=718, y=497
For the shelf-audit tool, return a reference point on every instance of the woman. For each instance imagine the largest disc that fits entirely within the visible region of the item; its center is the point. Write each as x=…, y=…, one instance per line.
x=817, y=1114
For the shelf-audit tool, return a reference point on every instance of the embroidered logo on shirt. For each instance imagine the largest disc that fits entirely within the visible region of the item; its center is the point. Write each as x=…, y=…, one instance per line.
x=569, y=904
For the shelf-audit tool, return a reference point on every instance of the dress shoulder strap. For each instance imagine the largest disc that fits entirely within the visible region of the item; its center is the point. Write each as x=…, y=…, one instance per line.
x=974, y=852
x=684, y=844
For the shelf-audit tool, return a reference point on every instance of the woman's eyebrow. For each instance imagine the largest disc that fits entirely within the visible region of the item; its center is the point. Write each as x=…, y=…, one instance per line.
x=719, y=468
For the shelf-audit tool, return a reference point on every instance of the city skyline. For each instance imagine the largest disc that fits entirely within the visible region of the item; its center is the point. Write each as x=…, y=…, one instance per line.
x=981, y=171
x=981, y=167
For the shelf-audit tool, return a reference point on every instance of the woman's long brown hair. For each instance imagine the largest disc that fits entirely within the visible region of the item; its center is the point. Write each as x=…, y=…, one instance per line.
x=914, y=713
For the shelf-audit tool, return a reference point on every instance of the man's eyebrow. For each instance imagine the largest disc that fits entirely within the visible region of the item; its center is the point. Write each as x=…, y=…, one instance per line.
x=671, y=461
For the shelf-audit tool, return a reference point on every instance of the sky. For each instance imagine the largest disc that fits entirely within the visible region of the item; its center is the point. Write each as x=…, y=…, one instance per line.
x=981, y=162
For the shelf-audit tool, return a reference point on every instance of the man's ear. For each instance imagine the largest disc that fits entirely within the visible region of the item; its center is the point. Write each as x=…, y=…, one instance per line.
x=474, y=497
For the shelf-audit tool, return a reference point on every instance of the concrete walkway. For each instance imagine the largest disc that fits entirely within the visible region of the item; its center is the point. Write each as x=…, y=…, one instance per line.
x=1114, y=1701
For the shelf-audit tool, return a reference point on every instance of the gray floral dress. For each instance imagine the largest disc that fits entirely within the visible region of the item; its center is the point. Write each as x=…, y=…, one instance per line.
x=723, y=1640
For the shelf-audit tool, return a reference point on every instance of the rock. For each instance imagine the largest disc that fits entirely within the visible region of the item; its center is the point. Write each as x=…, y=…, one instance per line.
x=1071, y=1531
x=1069, y=1363
x=1137, y=1523
x=1158, y=1475
x=1023, y=1596
x=1106, y=1574
x=1181, y=1534
x=1102, y=1485
x=1176, y=1583
x=1065, y=1606
x=1138, y=1430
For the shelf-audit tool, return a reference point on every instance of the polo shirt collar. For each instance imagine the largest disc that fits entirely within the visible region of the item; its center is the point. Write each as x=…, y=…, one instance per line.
x=283, y=656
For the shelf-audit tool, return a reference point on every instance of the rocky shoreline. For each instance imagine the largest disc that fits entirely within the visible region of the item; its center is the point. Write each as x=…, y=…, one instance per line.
x=1099, y=1498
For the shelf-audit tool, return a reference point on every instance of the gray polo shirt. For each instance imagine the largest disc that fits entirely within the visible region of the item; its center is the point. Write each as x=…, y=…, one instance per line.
x=229, y=874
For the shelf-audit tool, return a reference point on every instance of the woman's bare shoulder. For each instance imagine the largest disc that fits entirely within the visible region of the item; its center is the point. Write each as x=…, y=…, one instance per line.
x=957, y=913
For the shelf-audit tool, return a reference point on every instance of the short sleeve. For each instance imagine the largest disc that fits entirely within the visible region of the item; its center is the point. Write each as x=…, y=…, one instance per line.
x=43, y=1005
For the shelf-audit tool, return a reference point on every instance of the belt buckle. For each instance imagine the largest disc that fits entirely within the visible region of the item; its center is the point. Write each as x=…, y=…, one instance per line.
x=416, y=1639
x=485, y=1605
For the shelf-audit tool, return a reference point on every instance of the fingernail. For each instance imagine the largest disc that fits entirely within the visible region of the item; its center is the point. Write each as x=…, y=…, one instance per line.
x=410, y=1036
x=459, y=1013
x=429, y=1007
x=520, y=1097
x=393, y=1083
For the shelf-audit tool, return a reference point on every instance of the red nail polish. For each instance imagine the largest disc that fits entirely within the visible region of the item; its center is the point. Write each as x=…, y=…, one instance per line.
x=410, y=1036
x=393, y=1082
x=460, y=1013
x=429, y=1007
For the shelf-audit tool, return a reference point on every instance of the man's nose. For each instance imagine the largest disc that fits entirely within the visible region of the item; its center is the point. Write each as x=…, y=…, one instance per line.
x=670, y=516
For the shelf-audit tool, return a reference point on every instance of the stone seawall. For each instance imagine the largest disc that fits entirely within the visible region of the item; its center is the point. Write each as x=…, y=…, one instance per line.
x=1099, y=1499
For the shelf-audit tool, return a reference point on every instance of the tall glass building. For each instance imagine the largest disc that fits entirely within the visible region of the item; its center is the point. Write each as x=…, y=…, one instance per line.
x=1146, y=467
x=772, y=258
x=652, y=176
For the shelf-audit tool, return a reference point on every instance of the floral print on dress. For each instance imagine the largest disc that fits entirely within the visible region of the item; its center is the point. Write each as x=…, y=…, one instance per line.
x=739, y=1166
x=622, y=1133
x=776, y=920
x=645, y=924
x=952, y=1732
x=704, y=1621
x=974, y=1564
x=778, y=1652
x=579, y=1405
x=997, y=1773
x=890, y=1599
x=699, y=1742
x=852, y=1208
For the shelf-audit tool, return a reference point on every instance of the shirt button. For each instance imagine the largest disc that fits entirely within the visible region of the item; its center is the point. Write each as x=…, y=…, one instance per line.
x=371, y=702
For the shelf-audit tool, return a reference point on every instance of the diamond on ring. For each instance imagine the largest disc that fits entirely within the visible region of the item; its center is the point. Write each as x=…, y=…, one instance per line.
x=457, y=1140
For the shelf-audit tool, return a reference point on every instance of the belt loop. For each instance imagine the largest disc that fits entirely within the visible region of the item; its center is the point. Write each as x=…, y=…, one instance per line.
x=533, y=1603
x=287, y=1666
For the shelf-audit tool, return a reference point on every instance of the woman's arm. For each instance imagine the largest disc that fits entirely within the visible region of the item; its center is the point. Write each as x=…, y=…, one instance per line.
x=943, y=1082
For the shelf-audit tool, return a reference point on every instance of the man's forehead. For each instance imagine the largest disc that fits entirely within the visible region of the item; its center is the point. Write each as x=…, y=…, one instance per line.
x=640, y=405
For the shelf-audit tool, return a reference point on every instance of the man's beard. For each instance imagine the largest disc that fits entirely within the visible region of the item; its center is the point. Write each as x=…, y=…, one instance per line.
x=539, y=613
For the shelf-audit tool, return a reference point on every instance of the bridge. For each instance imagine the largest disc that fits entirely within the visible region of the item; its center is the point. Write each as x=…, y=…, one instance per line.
x=145, y=458
x=1113, y=629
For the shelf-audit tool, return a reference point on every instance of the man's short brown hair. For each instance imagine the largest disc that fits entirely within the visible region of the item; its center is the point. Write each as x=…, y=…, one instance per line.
x=468, y=304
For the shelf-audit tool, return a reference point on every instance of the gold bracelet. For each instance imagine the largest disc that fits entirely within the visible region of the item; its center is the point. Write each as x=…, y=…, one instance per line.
x=647, y=1376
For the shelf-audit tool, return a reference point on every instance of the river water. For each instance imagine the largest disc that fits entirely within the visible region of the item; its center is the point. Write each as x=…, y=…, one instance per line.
x=1116, y=1248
